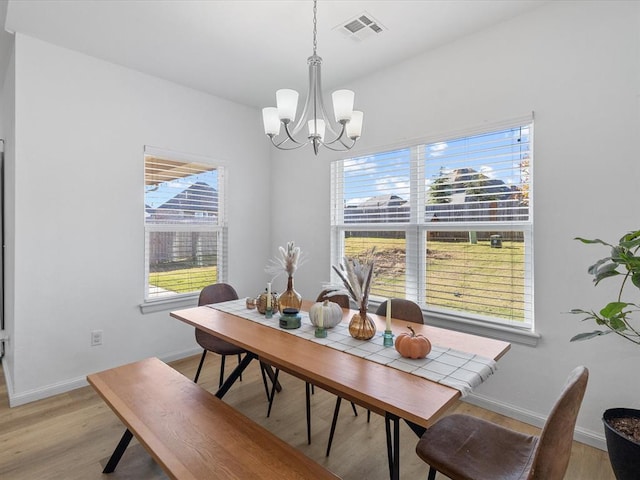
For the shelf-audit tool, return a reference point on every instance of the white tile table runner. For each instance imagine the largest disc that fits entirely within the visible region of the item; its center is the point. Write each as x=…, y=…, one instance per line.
x=460, y=370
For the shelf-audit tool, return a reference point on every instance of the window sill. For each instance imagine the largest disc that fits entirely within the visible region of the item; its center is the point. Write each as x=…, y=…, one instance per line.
x=177, y=302
x=485, y=329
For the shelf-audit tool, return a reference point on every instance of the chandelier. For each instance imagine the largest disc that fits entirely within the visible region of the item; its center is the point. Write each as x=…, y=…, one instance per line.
x=340, y=135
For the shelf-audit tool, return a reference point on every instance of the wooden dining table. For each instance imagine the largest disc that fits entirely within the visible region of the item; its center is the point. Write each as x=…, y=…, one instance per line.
x=390, y=392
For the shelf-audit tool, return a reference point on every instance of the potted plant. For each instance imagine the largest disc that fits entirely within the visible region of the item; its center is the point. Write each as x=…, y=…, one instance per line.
x=621, y=425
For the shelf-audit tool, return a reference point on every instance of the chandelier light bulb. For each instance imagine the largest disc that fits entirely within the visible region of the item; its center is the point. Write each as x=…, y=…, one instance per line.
x=343, y=104
x=354, y=127
x=287, y=102
x=271, y=121
x=312, y=128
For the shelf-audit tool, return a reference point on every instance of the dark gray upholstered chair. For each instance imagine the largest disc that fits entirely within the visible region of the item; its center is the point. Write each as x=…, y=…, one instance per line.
x=401, y=309
x=343, y=301
x=463, y=447
x=216, y=293
x=340, y=299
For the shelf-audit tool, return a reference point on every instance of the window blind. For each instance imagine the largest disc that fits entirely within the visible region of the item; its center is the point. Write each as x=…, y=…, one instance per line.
x=481, y=178
x=450, y=222
x=185, y=243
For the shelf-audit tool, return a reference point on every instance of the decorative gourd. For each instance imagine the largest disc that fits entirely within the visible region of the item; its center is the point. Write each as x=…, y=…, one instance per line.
x=410, y=345
x=261, y=302
x=332, y=314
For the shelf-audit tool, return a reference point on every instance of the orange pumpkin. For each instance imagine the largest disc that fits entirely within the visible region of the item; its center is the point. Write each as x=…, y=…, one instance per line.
x=410, y=345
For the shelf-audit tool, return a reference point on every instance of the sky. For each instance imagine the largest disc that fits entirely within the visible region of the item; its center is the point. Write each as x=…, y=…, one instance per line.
x=497, y=155
x=154, y=196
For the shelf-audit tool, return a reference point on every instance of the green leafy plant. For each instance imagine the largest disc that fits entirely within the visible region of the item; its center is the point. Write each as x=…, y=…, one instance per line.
x=622, y=263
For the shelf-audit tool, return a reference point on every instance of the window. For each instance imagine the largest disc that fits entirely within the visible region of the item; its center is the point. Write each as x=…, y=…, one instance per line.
x=185, y=225
x=449, y=221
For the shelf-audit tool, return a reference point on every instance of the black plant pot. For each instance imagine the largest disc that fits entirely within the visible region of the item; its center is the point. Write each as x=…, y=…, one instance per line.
x=624, y=453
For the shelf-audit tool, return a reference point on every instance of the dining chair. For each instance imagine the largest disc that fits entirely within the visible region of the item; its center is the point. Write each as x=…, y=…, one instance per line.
x=401, y=309
x=339, y=298
x=463, y=447
x=343, y=301
x=216, y=293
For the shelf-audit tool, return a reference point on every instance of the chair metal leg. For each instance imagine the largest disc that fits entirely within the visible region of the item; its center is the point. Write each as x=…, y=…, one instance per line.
x=308, y=398
x=221, y=370
x=264, y=379
x=268, y=369
x=273, y=391
x=355, y=412
x=204, y=354
x=368, y=416
x=432, y=473
x=333, y=423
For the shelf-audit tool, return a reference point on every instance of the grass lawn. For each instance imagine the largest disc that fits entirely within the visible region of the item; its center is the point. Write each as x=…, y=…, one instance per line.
x=184, y=280
x=459, y=275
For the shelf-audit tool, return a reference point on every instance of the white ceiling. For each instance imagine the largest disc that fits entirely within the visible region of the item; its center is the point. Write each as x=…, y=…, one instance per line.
x=244, y=50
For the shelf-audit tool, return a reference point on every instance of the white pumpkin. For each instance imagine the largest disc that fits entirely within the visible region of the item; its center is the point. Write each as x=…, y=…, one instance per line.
x=331, y=316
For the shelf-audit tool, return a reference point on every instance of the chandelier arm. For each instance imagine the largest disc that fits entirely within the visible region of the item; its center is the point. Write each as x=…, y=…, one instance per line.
x=344, y=147
x=315, y=92
x=293, y=147
x=290, y=135
x=339, y=137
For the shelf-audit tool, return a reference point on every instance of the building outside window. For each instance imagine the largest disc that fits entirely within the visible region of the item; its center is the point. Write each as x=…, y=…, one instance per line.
x=185, y=224
x=449, y=221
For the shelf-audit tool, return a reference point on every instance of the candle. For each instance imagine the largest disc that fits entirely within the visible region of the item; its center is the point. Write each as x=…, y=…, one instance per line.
x=269, y=295
x=389, y=314
x=321, y=316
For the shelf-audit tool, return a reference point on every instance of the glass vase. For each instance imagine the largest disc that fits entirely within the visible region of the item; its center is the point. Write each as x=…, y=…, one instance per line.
x=362, y=326
x=290, y=298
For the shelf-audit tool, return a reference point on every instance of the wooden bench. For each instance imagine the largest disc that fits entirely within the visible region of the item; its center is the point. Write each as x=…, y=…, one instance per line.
x=192, y=434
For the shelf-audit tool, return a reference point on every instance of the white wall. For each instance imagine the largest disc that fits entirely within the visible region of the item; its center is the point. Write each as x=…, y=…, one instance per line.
x=577, y=65
x=78, y=240
x=8, y=131
x=77, y=247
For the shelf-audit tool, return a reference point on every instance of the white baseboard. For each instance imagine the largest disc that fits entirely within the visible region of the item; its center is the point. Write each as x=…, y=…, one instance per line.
x=588, y=437
x=64, y=386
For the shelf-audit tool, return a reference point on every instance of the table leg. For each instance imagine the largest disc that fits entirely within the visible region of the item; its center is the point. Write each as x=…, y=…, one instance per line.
x=417, y=429
x=308, y=405
x=393, y=445
x=117, y=453
x=231, y=379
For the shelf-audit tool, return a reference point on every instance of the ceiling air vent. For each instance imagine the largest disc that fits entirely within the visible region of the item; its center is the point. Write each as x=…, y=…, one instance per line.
x=360, y=27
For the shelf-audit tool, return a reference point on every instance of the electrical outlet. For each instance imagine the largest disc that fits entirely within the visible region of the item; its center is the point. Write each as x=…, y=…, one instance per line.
x=96, y=337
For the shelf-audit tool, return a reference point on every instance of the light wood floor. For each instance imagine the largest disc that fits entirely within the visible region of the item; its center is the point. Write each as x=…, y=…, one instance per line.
x=70, y=436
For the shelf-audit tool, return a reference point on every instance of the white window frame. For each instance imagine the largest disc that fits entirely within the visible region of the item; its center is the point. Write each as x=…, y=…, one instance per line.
x=415, y=232
x=181, y=300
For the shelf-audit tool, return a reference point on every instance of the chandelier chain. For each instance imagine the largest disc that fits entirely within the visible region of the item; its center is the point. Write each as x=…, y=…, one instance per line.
x=315, y=26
